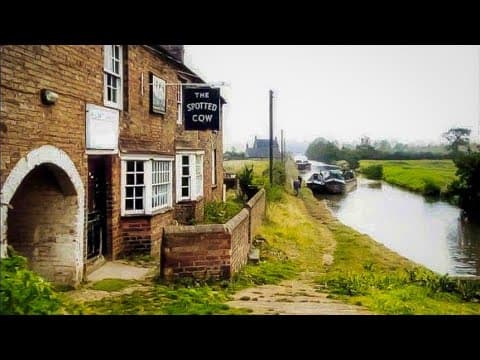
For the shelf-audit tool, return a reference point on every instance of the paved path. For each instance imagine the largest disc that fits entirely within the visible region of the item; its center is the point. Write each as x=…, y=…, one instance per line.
x=292, y=297
x=114, y=270
x=118, y=270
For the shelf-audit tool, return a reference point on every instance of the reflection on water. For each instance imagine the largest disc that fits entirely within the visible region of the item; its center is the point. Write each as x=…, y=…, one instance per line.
x=375, y=185
x=425, y=231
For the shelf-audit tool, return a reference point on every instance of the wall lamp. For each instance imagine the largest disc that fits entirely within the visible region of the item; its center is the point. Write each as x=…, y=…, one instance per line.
x=49, y=97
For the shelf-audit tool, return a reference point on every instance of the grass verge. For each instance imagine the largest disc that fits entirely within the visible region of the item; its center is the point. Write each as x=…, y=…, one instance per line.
x=367, y=273
x=429, y=177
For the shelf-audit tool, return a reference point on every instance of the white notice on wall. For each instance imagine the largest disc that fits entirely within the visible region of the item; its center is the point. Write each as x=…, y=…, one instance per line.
x=101, y=128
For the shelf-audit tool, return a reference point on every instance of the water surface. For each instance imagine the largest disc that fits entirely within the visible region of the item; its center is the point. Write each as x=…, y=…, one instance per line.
x=428, y=232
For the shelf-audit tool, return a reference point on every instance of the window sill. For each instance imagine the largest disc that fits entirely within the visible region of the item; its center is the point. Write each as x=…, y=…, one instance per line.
x=214, y=186
x=153, y=213
x=162, y=211
x=190, y=200
x=113, y=106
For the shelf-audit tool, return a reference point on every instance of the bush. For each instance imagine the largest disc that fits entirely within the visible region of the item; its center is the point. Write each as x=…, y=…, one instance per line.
x=245, y=179
x=23, y=292
x=217, y=212
x=279, y=175
x=274, y=192
x=431, y=188
x=373, y=172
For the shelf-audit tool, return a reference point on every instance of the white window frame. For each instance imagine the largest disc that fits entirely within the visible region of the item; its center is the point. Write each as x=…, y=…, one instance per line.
x=107, y=58
x=182, y=176
x=179, y=105
x=166, y=174
x=148, y=209
x=214, y=167
x=195, y=189
x=198, y=175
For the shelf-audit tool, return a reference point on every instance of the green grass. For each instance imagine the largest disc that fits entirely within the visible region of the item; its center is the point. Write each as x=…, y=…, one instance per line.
x=235, y=166
x=423, y=176
x=166, y=300
x=111, y=284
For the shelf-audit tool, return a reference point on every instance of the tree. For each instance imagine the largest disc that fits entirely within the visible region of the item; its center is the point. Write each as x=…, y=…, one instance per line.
x=383, y=146
x=467, y=186
x=323, y=150
x=399, y=147
x=457, y=137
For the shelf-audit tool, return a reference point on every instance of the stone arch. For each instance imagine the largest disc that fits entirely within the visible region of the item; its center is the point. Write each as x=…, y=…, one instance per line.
x=47, y=171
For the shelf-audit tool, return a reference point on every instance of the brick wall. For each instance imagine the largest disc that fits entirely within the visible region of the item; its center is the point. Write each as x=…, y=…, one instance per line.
x=136, y=234
x=74, y=72
x=158, y=222
x=143, y=234
x=240, y=242
x=140, y=130
x=205, y=251
x=114, y=237
x=186, y=211
x=256, y=207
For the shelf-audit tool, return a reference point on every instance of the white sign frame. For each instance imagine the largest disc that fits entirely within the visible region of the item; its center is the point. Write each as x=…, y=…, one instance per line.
x=158, y=95
x=101, y=128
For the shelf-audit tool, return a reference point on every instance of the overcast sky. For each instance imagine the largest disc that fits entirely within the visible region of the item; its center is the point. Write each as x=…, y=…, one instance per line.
x=406, y=93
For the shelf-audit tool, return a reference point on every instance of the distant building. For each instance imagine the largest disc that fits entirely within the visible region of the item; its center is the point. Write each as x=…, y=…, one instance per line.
x=261, y=149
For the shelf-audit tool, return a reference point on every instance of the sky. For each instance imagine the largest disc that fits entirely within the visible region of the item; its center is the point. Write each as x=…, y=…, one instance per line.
x=401, y=93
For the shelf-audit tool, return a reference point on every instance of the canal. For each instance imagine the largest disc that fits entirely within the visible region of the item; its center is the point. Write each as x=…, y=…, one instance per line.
x=427, y=232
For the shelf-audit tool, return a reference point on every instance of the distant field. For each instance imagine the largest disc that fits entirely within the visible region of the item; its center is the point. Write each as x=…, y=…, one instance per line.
x=236, y=166
x=412, y=174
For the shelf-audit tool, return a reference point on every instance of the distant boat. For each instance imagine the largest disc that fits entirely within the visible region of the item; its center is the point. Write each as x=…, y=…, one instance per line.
x=331, y=180
x=303, y=165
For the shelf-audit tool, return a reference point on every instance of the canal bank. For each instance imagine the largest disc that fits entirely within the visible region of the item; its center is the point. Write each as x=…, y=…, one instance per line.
x=425, y=230
x=365, y=272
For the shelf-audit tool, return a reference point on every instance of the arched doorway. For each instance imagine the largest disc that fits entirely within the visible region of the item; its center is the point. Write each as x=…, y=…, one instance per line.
x=46, y=215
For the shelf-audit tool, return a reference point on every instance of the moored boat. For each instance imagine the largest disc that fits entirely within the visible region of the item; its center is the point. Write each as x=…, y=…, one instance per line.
x=331, y=181
x=303, y=165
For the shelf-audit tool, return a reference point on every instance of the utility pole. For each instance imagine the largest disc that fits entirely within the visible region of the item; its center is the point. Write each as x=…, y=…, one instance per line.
x=281, y=145
x=271, y=137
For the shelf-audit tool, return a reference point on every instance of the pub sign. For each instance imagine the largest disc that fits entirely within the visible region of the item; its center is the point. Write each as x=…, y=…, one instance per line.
x=201, y=108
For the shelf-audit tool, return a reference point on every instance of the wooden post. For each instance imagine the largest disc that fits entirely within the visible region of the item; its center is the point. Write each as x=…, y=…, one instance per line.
x=271, y=137
x=281, y=146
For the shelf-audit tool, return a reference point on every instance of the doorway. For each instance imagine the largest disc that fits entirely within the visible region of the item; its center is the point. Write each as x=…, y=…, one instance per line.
x=97, y=208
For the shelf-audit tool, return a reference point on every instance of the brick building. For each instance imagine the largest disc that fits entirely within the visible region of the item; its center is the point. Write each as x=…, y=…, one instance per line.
x=91, y=166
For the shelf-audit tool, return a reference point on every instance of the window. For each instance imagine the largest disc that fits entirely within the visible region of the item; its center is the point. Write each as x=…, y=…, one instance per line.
x=214, y=166
x=186, y=177
x=161, y=184
x=134, y=187
x=146, y=185
x=190, y=176
x=113, y=76
x=179, y=105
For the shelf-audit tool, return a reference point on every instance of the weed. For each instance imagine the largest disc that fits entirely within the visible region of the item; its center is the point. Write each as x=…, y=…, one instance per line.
x=111, y=284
